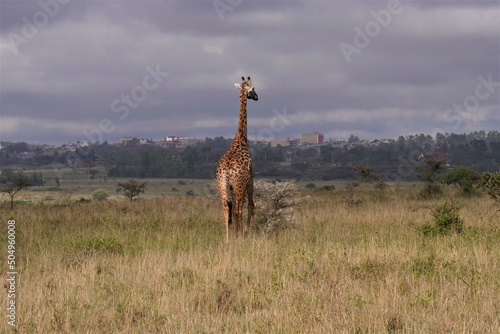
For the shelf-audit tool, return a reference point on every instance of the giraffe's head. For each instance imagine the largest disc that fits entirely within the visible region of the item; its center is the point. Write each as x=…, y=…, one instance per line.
x=248, y=88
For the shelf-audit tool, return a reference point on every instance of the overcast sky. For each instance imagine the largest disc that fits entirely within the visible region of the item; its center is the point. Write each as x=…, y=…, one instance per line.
x=99, y=70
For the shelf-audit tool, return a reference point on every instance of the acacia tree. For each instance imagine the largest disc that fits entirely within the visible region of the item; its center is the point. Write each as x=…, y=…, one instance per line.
x=366, y=174
x=132, y=188
x=430, y=170
x=13, y=187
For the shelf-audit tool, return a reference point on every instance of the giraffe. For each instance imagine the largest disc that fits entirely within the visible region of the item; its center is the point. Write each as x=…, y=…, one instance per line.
x=234, y=171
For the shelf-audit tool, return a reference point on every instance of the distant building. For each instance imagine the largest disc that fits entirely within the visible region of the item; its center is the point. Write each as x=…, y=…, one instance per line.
x=185, y=142
x=124, y=140
x=179, y=142
x=174, y=139
x=285, y=142
x=441, y=156
x=312, y=138
x=339, y=143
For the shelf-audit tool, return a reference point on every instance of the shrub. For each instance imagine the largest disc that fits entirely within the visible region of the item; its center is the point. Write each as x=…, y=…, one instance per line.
x=490, y=183
x=100, y=195
x=275, y=205
x=429, y=172
x=310, y=186
x=464, y=177
x=446, y=219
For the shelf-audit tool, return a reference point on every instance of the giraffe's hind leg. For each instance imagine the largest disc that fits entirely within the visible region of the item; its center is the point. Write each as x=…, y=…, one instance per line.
x=223, y=186
x=238, y=212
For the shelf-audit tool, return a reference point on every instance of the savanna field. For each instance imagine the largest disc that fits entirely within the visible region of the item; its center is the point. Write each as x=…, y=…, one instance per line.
x=355, y=261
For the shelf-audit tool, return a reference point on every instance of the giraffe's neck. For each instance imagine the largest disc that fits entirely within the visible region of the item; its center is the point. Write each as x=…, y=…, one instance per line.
x=240, y=138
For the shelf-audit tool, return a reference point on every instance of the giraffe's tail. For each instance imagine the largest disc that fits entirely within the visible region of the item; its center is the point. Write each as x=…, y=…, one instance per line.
x=230, y=207
x=230, y=204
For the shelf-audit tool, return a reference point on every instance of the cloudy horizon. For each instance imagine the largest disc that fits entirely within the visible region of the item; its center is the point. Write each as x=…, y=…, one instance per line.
x=100, y=70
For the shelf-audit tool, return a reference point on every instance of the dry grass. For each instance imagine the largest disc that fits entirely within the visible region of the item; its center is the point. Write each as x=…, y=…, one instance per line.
x=161, y=266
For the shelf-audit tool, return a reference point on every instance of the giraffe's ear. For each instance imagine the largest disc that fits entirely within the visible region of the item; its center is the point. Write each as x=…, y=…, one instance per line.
x=237, y=85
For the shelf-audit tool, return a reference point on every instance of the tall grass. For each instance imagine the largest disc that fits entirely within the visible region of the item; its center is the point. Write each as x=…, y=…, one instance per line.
x=161, y=266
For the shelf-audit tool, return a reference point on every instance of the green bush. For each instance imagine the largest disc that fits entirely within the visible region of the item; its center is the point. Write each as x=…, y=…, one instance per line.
x=310, y=186
x=464, y=177
x=490, y=183
x=327, y=188
x=100, y=195
x=446, y=220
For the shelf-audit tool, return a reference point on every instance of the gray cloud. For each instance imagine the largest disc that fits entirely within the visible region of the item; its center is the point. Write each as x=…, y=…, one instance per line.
x=66, y=78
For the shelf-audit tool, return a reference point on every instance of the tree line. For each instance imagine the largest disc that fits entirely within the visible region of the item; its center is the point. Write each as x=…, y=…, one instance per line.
x=479, y=151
